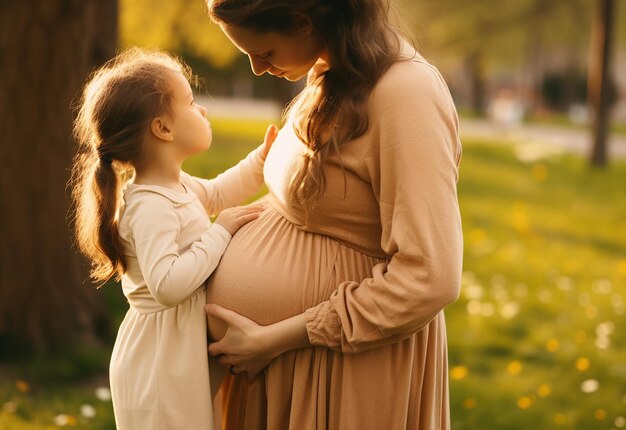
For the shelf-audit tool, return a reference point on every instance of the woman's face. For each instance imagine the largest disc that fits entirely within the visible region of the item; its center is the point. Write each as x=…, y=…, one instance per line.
x=288, y=56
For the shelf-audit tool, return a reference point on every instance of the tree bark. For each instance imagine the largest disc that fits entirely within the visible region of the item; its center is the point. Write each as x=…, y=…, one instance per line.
x=47, y=49
x=475, y=67
x=599, y=78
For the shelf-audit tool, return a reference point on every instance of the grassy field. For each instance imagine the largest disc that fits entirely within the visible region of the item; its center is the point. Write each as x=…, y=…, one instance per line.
x=534, y=339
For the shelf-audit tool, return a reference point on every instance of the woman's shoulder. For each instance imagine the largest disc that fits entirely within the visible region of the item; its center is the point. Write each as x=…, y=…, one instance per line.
x=411, y=75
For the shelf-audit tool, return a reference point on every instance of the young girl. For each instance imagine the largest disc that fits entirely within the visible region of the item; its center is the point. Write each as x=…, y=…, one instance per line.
x=136, y=124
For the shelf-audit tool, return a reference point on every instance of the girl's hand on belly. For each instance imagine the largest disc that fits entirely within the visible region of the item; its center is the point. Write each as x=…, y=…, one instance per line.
x=250, y=347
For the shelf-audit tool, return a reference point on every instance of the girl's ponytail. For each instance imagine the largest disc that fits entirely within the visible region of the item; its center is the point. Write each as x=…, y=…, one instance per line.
x=113, y=115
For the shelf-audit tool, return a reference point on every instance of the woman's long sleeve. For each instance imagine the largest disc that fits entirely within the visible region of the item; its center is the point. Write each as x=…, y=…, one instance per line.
x=233, y=186
x=414, y=171
x=172, y=275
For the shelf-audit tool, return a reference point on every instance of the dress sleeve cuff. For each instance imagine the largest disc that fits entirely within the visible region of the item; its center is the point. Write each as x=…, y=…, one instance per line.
x=323, y=326
x=222, y=232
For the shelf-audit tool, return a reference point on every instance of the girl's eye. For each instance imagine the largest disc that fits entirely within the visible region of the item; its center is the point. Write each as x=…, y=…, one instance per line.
x=267, y=55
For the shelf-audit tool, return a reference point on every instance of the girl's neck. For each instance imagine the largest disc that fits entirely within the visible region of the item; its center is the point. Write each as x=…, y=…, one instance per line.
x=166, y=174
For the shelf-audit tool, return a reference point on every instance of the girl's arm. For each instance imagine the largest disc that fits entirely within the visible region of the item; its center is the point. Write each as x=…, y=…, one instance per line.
x=235, y=185
x=171, y=275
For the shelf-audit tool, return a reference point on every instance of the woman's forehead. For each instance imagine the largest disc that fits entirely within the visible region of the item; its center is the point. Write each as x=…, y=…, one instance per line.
x=250, y=41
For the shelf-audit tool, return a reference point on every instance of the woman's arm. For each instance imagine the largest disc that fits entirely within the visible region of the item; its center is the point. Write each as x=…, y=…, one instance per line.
x=414, y=164
x=414, y=167
x=233, y=186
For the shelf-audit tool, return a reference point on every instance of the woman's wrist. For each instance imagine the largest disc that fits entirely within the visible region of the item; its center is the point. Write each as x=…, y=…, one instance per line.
x=286, y=335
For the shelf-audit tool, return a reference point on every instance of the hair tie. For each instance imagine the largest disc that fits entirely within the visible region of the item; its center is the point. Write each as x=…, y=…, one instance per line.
x=106, y=159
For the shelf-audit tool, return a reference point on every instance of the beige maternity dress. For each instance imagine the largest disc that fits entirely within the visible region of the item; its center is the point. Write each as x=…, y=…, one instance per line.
x=373, y=266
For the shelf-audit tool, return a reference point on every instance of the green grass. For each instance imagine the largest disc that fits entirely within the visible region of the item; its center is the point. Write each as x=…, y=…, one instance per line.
x=540, y=313
x=545, y=271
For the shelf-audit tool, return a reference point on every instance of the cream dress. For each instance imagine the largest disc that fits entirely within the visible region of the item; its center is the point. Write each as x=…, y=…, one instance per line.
x=372, y=268
x=159, y=371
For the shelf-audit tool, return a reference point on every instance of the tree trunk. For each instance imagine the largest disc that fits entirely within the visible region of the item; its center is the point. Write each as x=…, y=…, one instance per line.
x=475, y=67
x=47, y=49
x=599, y=78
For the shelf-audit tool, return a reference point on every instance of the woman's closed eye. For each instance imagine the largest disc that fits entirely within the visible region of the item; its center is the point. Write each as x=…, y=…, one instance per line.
x=265, y=56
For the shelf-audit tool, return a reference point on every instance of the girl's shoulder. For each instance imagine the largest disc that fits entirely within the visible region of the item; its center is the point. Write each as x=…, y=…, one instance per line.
x=150, y=200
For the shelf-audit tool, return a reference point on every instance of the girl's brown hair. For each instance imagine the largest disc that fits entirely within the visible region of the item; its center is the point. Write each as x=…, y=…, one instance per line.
x=362, y=38
x=114, y=112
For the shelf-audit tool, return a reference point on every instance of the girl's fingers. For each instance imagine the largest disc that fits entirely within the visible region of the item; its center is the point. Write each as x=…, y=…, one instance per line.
x=271, y=133
x=248, y=217
x=253, y=208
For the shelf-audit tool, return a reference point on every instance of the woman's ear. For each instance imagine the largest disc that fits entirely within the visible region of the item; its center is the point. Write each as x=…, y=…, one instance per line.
x=161, y=129
x=302, y=24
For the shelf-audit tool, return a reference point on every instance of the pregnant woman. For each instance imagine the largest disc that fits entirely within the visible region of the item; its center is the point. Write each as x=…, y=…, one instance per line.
x=329, y=306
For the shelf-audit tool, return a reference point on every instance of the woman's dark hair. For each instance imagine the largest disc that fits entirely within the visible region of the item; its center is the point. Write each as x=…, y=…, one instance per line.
x=362, y=39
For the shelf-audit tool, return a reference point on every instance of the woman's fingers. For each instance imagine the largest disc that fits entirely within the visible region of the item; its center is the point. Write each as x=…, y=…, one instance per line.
x=226, y=315
x=229, y=360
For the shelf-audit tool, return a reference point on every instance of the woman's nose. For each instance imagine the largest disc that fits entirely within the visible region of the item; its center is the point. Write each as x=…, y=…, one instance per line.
x=258, y=65
x=202, y=110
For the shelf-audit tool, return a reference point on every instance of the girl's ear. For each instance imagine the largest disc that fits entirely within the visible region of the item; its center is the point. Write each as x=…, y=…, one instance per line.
x=161, y=129
x=303, y=24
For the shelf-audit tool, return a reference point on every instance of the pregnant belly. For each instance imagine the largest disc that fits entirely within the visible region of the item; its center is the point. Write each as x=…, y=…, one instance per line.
x=271, y=271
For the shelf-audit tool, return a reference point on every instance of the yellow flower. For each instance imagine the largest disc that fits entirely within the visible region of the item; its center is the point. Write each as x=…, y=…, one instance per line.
x=519, y=217
x=469, y=403
x=582, y=364
x=544, y=390
x=600, y=414
x=540, y=172
x=458, y=372
x=621, y=267
x=524, y=402
x=552, y=345
x=22, y=386
x=514, y=367
x=559, y=419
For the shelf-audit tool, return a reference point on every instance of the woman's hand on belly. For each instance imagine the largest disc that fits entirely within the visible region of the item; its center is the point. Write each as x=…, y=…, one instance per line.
x=249, y=347
x=239, y=341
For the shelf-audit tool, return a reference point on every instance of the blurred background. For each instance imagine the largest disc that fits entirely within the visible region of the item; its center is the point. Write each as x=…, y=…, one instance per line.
x=540, y=85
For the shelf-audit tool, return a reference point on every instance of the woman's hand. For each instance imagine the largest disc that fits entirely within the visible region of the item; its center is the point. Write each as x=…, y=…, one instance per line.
x=242, y=348
x=249, y=347
x=270, y=137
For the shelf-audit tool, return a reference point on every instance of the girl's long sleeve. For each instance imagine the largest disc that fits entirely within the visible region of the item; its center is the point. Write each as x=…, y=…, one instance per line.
x=414, y=170
x=172, y=275
x=233, y=186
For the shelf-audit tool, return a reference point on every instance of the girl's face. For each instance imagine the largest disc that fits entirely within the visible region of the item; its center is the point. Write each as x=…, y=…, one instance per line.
x=288, y=56
x=191, y=129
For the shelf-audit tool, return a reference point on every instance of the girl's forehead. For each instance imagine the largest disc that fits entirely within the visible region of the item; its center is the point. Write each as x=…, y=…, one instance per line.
x=179, y=85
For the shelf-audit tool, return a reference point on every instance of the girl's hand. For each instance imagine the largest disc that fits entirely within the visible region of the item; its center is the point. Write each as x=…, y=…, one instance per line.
x=270, y=137
x=232, y=219
x=243, y=348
